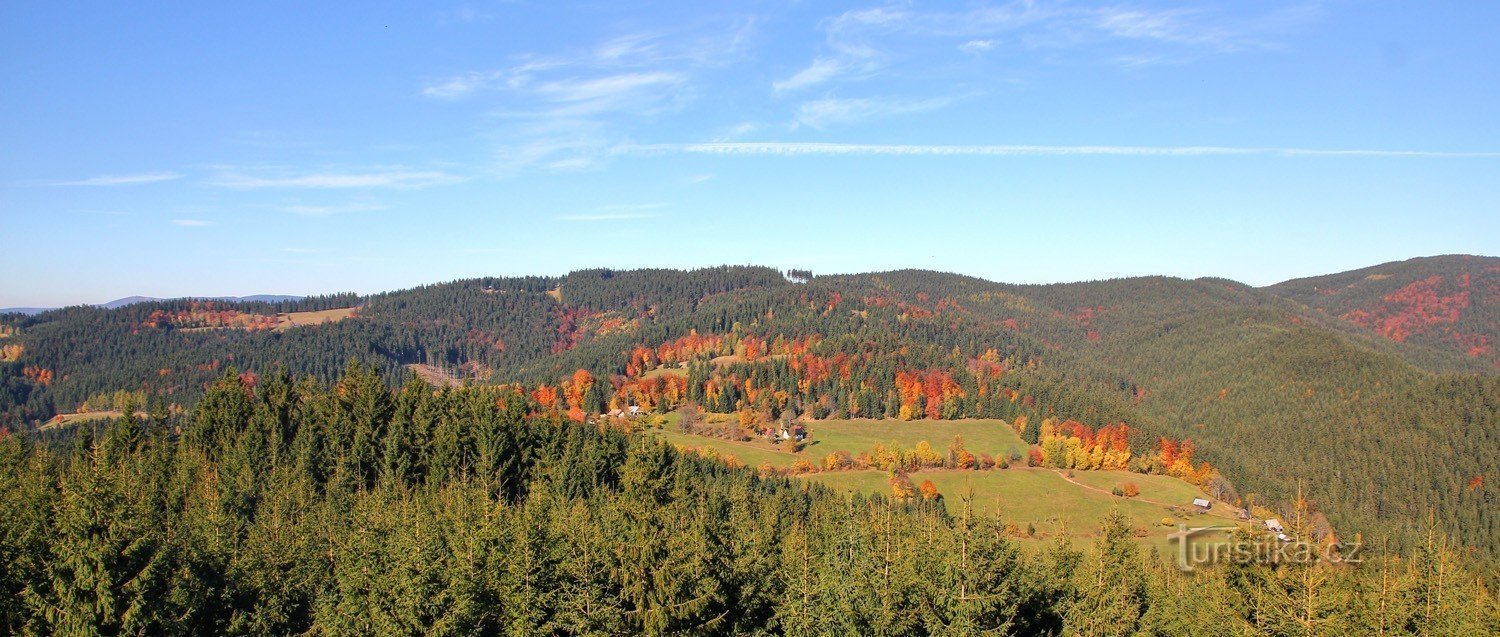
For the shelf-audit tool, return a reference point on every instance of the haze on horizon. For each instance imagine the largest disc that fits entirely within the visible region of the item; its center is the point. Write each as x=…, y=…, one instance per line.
x=180, y=149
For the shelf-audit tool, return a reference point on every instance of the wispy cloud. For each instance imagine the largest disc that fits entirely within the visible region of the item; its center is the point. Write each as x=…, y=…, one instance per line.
x=607, y=216
x=1175, y=26
x=618, y=212
x=1137, y=61
x=977, y=46
x=737, y=131
x=863, y=43
x=624, y=62
x=513, y=77
x=583, y=97
x=460, y=85
x=401, y=179
x=799, y=148
x=563, y=110
x=326, y=210
x=606, y=87
x=191, y=223
x=821, y=70
x=830, y=111
x=119, y=180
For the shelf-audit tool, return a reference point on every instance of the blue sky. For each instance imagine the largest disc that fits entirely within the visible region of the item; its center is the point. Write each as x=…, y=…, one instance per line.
x=213, y=148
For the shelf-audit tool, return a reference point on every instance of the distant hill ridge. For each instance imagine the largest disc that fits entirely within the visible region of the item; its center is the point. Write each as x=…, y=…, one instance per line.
x=131, y=300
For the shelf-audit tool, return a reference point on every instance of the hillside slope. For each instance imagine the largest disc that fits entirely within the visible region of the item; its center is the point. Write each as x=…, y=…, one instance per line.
x=1274, y=391
x=1449, y=303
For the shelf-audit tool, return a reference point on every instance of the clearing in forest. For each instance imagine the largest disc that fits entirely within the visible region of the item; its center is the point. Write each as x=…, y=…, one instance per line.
x=1039, y=502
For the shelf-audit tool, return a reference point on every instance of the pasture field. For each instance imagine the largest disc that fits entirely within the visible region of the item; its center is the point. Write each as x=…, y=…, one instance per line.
x=752, y=453
x=1044, y=499
x=284, y=320
x=665, y=371
x=855, y=436
x=288, y=320
x=993, y=437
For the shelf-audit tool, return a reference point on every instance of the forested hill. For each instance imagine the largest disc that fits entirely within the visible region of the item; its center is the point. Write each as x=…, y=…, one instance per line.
x=1275, y=387
x=1450, y=303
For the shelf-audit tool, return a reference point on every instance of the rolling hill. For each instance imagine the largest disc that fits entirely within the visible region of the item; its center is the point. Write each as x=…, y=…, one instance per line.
x=1449, y=303
x=131, y=300
x=1278, y=388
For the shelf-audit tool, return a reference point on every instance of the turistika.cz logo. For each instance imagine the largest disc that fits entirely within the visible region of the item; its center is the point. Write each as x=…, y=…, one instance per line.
x=1208, y=545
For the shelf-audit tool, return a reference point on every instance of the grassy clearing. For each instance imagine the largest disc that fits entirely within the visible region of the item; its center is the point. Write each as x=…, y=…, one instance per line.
x=856, y=436
x=1043, y=499
x=665, y=371
x=1164, y=489
x=67, y=420
x=993, y=437
x=288, y=320
x=752, y=453
x=284, y=320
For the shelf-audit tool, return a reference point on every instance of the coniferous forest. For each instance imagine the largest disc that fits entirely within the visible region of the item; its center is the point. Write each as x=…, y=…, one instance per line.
x=243, y=477
x=294, y=507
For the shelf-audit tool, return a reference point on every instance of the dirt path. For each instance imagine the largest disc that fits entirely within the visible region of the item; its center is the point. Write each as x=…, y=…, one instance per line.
x=1138, y=498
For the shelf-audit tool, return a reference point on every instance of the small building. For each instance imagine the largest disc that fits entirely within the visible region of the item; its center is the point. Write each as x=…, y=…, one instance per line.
x=1244, y=514
x=1203, y=503
x=794, y=432
x=615, y=413
x=1274, y=526
x=635, y=410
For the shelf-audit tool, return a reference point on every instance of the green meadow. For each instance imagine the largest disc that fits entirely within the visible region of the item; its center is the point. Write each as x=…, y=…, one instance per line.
x=993, y=437
x=1040, y=502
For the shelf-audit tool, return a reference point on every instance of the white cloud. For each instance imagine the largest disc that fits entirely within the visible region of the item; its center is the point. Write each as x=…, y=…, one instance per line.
x=323, y=211
x=564, y=110
x=120, y=180
x=583, y=97
x=737, y=131
x=617, y=212
x=831, y=111
x=809, y=148
x=628, y=47
x=459, y=85
x=404, y=179
x=191, y=223
x=608, y=216
x=862, y=43
x=821, y=70
x=977, y=46
x=514, y=77
x=1176, y=26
